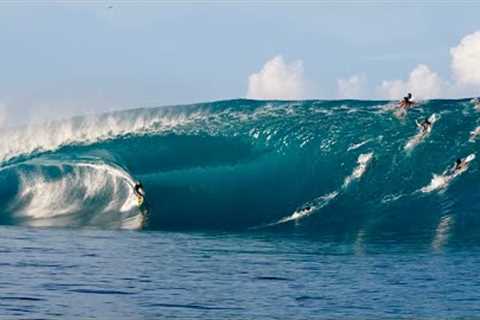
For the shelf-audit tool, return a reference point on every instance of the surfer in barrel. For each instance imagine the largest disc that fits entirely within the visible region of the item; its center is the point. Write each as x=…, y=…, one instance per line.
x=139, y=193
x=138, y=189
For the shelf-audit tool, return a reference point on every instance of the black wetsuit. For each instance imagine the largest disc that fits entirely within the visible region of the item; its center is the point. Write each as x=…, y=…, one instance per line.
x=407, y=101
x=426, y=124
x=458, y=166
x=138, y=189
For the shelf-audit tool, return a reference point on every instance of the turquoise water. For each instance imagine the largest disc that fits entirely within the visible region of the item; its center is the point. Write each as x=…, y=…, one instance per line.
x=253, y=209
x=326, y=167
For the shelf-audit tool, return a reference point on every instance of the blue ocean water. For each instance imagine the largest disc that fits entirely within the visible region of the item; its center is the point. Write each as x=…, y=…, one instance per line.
x=100, y=274
x=253, y=209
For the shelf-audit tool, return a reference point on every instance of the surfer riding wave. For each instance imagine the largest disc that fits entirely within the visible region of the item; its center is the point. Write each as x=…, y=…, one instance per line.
x=139, y=193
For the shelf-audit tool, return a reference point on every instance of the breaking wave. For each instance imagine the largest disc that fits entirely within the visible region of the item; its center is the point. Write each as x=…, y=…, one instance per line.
x=327, y=167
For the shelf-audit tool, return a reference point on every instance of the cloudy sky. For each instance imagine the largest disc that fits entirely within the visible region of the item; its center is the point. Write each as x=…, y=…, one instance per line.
x=60, y=58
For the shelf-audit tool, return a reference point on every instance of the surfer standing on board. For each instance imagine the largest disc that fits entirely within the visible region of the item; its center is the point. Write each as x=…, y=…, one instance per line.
x=138, y=188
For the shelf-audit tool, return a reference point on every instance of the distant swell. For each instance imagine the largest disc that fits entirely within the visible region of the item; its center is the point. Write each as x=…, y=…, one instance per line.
x=345, y=168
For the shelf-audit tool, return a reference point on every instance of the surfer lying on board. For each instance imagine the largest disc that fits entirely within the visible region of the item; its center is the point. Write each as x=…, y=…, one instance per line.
x=474, y=134
x=425, y=125
x=407, y=102
x=460, y=164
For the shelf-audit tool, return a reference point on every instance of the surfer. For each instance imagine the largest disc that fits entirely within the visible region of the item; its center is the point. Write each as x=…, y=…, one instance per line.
x=138, y=189
x=460, y=164
x=403, y=106
x=307, y=208
x=425, y=125
x=407, y=102
x=474, y=134
x=476, y=103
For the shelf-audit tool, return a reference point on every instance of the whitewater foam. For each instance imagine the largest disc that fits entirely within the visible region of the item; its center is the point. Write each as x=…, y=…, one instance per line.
x=363, y=161
x=87, y=130
x=421, y=135
x=44, y=197
x=358, y=145
x=439, y=182
x=307, y=209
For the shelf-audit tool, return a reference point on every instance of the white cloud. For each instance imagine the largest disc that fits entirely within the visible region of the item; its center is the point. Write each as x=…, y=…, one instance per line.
x=426, y=84
x=422, y=82
x=466, y=60
x=278, y=80
x=353, y=87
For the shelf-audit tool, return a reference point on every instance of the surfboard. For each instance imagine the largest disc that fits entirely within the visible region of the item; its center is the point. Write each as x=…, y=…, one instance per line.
x=474, y=134
x=470, y=158
x=442, y=181
x=416, y=139
x=433, y=118
x=139, y=200
x=466, y=163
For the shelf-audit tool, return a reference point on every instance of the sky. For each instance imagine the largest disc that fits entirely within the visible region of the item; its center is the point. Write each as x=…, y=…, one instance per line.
x=60, y=58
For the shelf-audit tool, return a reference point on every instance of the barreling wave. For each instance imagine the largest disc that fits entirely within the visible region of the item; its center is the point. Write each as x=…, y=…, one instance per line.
x=328, y=167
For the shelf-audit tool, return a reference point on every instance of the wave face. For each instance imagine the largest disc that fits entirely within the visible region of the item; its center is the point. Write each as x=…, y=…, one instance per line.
x=328, y=167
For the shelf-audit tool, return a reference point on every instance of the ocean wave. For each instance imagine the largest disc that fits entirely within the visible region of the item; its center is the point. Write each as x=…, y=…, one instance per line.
x=240, y=164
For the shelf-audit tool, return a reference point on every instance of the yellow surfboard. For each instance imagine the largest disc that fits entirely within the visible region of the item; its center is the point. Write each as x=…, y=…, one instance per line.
x=139, y=200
